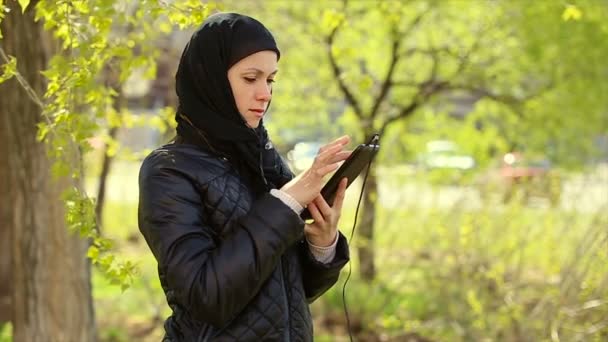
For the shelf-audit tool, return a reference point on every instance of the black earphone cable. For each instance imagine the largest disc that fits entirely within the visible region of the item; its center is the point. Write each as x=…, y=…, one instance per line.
x=350, y=268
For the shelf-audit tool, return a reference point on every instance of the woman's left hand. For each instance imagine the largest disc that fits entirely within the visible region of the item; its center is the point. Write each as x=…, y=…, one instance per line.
x=322, y=232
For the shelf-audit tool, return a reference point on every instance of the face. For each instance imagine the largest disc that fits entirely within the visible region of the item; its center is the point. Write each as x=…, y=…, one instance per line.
x=251, y=81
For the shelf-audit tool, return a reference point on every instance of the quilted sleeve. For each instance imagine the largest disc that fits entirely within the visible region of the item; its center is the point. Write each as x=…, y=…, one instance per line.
x=213, y=280
x=319, y=277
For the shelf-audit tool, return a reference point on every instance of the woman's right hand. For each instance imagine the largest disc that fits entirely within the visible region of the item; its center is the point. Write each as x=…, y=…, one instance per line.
x=307, y=185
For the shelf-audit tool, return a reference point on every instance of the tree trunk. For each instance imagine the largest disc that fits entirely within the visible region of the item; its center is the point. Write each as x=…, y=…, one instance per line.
x=5, y=236
x=111, y=76
x=51, y=290
x=365, y=228
x=103, y=180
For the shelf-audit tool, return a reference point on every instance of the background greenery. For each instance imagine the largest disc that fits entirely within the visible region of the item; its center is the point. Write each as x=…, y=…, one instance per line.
x=447, y=272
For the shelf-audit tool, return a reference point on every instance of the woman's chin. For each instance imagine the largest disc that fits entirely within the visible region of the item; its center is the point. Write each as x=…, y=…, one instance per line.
x=254, y=123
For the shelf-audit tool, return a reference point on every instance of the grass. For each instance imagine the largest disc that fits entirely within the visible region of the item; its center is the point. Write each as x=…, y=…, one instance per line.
x=453, y=275
x=6, y=332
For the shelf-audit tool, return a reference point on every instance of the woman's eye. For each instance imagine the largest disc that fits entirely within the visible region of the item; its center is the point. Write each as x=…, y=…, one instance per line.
x=270, y=81
x=249, y=79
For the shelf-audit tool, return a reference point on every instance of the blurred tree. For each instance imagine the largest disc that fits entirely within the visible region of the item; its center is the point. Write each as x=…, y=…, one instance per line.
x=49, y=280
x=399, y=68
x=566, y=45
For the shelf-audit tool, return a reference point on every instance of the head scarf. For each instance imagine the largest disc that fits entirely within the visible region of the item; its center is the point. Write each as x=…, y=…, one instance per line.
x=207, y=114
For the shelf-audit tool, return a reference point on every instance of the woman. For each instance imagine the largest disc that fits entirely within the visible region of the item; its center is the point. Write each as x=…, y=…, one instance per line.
x=220, y=210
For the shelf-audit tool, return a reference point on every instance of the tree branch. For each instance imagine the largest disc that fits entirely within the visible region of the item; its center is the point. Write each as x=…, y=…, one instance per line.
x=432, y=86
x=465, y=59
x=388, y=79
x=395, y=57
x=511, y=101
x=31, y=93
x=426, y=90
x=405, y=84
x=350, y=98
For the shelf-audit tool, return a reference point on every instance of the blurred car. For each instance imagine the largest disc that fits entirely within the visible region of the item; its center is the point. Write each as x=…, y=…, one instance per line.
x=302, y=155
x=444, y=162
x=526, y=177
x=445, y=154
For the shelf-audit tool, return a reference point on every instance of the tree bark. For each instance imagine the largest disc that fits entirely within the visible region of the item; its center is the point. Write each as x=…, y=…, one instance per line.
x=106, y=165
x=51, y=290
x=365, y=228
x=6, y=287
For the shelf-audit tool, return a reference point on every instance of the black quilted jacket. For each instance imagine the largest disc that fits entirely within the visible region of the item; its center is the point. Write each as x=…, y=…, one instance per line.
x=232, y=269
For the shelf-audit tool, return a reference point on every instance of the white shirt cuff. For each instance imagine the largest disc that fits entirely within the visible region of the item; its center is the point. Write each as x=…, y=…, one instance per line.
x=324, y=254
x=288, y=200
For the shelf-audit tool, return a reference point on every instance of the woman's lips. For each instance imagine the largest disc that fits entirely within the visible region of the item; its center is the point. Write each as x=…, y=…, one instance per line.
x=258, y=112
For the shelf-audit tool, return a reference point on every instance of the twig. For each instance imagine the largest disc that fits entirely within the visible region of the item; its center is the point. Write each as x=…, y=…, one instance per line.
x=23, y=82
x=395, y=57
x=352, y=100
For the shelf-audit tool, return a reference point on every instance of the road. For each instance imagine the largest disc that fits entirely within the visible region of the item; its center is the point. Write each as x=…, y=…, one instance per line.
x=585, y=192
x=588, y=192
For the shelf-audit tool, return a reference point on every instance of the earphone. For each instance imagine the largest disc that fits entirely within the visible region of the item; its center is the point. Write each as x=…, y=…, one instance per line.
x=374, y=140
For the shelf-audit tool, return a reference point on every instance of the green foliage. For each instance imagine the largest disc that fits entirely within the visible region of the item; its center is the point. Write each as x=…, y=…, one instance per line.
x=571, y=12
x=102, y=43
x=491, y=273
x=80, y=218
x=6, y=329
x=8, y=69
x=569, y=50
x=3, y=10
x=23, y=4
x=533, y=73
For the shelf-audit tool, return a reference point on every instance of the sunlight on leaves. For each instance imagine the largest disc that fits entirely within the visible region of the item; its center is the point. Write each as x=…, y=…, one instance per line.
x=8, y=70
x=572, y=13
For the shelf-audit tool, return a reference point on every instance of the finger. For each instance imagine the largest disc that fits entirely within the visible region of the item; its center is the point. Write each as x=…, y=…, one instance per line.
x=321, y=158
x=309, y=229
x=341, y=141
x=340, y=156
x=324, y=170
x=328, y=153
x=340, y=194
x=331, y=159
x=323, y=207
x=315, y=213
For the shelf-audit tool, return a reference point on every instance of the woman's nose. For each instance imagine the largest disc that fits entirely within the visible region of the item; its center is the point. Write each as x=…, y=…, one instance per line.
x=264, y=93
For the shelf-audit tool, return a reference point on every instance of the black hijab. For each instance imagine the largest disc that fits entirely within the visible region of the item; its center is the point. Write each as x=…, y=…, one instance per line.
x=207, y=114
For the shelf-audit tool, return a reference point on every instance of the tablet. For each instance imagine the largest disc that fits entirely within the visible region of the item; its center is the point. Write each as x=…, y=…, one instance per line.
x=351, y=168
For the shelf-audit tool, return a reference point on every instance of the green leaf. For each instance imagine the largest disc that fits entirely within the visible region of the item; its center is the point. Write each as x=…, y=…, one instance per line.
x=60, y=170
x=24, y=4
x=331, y=19
x=571, y=12
x=107, y=260
x=9, y=69
x=43, y=130
x=93, y=253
